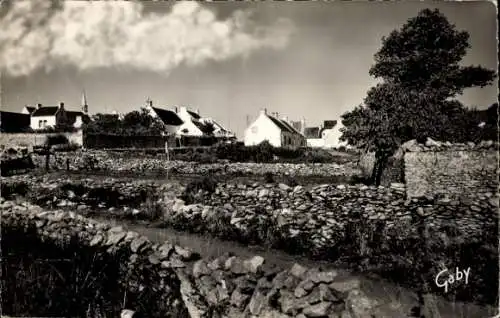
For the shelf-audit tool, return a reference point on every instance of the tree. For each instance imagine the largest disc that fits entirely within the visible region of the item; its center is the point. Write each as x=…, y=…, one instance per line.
x=420, y=72
x=104, y=124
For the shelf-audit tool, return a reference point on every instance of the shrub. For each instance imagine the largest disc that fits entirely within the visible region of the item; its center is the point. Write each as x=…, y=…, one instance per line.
x=58, y=139
x=206, y=184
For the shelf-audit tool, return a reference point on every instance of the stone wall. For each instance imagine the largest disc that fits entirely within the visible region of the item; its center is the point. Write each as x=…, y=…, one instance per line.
x=35, y=139
x=226, y=287
x=451, y=170
x=437, y=168
x=115, y=162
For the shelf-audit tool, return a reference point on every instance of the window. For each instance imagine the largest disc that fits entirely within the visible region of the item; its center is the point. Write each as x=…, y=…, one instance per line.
x=44, y=123
x=40, y=123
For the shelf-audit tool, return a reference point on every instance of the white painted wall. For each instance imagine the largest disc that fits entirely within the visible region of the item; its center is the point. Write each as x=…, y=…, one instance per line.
x=262, y=129
x=316, y=142
x=47, y=121
x=192, y=130
x=332, y=137
x=78, y=122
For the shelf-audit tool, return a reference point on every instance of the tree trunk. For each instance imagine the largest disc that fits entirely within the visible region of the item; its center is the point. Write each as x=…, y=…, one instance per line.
x=378, y=168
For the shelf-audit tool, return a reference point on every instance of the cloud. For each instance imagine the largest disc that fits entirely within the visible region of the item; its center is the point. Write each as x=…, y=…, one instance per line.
x=117, y=34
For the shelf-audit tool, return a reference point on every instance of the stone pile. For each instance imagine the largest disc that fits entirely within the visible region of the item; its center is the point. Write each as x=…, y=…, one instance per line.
x=107, y=162
x=227, y=286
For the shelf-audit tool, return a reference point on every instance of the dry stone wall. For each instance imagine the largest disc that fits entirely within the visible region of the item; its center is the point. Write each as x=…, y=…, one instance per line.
x=440, y=168
x=114, y=162
x=29, y=140
x=226, y=287
x=451, y=170
x=320, y=216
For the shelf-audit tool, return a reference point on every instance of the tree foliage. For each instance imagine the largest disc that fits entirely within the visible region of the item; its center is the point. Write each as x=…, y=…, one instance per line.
x=132, y=123
x=420, y=72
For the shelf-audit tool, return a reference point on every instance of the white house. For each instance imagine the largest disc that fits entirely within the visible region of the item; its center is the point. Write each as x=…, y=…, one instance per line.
x=185, y=123
x=278, y=132
x=219, y=130
x=171, y=121
x=321, y=137
x=43, y=117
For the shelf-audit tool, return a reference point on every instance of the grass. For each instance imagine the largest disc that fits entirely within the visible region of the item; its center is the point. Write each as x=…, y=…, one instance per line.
x=45, y=279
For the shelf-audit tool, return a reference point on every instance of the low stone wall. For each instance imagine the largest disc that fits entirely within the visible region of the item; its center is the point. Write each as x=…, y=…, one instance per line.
x=227, y=286
x=320, y=215
x=114, y=162
x=29, y=140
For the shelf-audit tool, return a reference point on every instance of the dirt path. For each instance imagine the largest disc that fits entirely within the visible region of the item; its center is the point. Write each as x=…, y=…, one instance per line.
x=395, y=301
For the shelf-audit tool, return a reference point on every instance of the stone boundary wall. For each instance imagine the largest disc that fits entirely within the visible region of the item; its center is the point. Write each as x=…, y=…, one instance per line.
x=451, y=170
x=114, y=162
x=440, y=168
x=227, y=286
x=14, y=140
x=319, y=217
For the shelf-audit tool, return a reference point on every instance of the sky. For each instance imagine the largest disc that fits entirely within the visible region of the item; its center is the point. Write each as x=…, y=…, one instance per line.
x=228, y=59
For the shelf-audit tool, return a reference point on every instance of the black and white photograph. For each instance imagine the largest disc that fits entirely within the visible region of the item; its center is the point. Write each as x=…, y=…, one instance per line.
x=247, y=159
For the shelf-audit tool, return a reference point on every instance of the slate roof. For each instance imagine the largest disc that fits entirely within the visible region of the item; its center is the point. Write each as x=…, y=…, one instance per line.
x=14, y=122
x=194, y=115
x=45, y=111
x=329, y=124
x=280, y=124
x=30, y=109
x=206, y=129
x=290, y=127
x=168, y=117
x=312, y=132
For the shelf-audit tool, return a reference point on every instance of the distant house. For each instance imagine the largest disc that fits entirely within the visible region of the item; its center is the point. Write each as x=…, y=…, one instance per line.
x=278, y=132
x=189, y=126
x=28, y=110
x=170, y=119
x=325, y=136
x=44, y=117
x=11, y=122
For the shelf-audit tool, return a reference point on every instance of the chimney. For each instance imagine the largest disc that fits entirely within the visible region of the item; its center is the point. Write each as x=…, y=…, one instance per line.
x=61, y=105
x=176, y=110
x=263, y=111
x=302, y=125
x=38, y=105
x=285, y=118
x=150, y=103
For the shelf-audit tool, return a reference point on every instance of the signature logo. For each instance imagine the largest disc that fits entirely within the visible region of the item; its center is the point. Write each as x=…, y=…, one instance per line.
x=445, y=278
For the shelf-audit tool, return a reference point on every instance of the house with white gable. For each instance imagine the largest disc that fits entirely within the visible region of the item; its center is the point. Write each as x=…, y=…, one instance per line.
x=189, y=127
x=278, y=132
x=325, y=136
x=43, y=117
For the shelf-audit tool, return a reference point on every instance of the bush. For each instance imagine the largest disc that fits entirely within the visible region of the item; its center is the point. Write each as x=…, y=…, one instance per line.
x=206, y=184
x=58, y=139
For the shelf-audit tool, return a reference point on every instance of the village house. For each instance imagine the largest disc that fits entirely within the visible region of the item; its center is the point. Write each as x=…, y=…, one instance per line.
x=43, y=117
x=189, y=127
x=11, y=122
x=325, y=136
x=278, y=132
